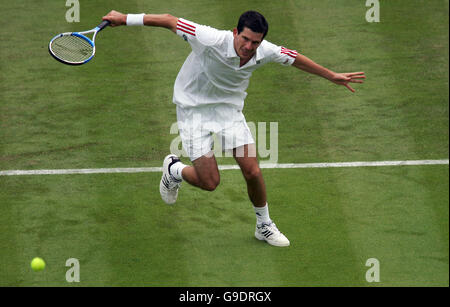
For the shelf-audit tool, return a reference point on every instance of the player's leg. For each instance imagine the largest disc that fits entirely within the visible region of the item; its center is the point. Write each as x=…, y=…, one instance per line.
x=198, y=142
x=196, y=136
x=245, y=156
x=266, y=229
x=203, y=173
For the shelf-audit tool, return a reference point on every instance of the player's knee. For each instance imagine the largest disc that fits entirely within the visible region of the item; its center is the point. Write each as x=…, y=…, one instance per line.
x=252, y=173
x=211, y=184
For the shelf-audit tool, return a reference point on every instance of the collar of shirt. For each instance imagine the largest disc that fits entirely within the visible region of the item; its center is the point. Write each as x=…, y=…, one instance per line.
x=231, y=53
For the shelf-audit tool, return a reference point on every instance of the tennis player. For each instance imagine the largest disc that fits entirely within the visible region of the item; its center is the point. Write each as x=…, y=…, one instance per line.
x=209, y=93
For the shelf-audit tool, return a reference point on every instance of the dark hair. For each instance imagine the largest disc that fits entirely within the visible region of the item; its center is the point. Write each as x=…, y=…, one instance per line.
x=254, y=21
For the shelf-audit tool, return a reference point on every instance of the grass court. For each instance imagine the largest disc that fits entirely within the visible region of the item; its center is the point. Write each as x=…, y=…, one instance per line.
x=116, y=112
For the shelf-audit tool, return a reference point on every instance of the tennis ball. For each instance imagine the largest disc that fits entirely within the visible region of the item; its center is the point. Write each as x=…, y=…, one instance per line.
x=37, y=264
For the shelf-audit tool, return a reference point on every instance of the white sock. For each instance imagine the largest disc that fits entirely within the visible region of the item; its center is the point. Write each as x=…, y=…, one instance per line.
x=176, y=169
x=262, y=215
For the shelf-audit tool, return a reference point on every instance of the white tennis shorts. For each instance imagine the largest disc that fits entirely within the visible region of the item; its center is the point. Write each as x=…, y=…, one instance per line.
x=197, y=126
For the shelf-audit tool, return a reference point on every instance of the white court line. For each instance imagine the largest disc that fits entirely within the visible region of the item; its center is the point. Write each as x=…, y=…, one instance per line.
x=223, y=167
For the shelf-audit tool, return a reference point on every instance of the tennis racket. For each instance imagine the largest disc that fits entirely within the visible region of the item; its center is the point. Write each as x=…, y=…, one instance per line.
x=74, y=48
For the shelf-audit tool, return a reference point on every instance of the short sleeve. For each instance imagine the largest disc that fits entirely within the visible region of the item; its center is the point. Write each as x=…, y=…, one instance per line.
x=198, y=36
x=280, y=54
x=186, y=29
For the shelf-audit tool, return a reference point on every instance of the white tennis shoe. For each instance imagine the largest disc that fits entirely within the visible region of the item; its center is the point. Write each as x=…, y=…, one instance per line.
x=271, y=234
x=168, y=186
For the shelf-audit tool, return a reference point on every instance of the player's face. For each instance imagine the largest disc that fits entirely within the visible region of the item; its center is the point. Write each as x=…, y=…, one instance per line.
x=246, y=42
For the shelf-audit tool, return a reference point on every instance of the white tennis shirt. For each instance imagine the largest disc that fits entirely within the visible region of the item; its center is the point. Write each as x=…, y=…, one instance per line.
x=211, y=73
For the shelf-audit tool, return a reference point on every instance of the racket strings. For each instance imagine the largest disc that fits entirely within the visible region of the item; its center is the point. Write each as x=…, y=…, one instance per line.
x=72, y=48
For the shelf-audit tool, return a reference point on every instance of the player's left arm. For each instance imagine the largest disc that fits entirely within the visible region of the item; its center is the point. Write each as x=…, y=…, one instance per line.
x=304, y=63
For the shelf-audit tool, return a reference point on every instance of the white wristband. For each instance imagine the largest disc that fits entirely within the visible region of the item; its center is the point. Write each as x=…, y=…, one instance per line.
x=135, y=19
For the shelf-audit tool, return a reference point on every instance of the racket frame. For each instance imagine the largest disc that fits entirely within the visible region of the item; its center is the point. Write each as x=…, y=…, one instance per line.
x=81, y=35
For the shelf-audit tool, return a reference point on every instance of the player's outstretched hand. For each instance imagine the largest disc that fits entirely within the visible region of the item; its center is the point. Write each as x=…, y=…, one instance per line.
x=349, y=77
x=116, y=18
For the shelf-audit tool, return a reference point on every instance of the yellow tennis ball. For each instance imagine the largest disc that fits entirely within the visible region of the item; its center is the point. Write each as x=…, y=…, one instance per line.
x=38, y=264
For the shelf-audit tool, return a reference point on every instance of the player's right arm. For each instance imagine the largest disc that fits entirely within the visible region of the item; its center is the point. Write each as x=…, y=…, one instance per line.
x=155, y=20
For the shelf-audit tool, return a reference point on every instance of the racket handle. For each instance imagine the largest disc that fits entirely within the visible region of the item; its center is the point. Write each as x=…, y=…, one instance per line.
x=103, y=25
